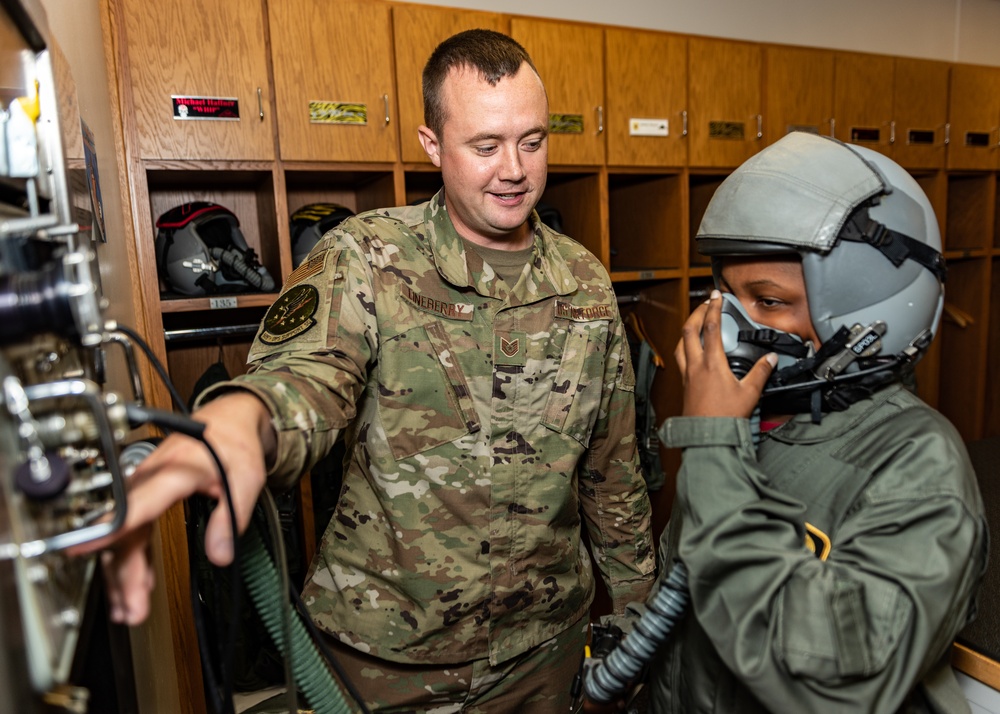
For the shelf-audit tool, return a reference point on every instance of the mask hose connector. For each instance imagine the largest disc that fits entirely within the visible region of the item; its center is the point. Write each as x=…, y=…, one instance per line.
x=605, y=679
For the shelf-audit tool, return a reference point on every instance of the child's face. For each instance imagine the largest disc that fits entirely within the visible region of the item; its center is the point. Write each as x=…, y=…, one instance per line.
x=773, y=292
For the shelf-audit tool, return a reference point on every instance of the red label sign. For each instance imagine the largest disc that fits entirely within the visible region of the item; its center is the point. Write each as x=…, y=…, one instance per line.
x=219, y=108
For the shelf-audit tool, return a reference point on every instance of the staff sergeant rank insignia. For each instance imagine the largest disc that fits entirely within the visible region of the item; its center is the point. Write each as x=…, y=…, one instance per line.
x=290, y=315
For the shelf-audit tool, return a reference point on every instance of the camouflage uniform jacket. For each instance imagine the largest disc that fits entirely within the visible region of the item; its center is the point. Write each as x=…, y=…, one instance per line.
x=482, y=426
x=830, y=570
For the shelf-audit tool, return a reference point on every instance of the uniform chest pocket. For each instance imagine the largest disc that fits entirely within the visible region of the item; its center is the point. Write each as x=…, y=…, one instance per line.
x=423, y=397
x=575, y=399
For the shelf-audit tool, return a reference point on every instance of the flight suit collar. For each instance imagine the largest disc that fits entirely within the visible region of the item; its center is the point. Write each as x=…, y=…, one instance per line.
x=549, y=276
x=801, y=429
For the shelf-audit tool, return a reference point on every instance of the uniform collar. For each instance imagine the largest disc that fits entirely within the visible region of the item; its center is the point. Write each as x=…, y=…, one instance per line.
x=550, y=274
x=801, y=429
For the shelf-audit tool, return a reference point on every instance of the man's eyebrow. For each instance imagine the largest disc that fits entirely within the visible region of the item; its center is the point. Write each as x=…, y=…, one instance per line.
x=543, y=130
x=485, y=137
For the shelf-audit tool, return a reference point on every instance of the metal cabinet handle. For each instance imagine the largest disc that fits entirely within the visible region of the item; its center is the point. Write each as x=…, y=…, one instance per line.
x=600, y=119
x=833, y=127
x=684, y=123
x=947, y=133
x=385, y=101
x=892, y=131
x=760, y=126
x=260, y=104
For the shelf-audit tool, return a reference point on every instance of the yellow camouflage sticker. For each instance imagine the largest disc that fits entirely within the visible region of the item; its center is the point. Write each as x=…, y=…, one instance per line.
x=565, y=123
x=337, y=113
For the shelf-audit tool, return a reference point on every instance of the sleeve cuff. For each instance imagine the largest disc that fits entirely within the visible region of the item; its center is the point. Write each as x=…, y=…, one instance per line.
x=682, y=432
x=283, y=473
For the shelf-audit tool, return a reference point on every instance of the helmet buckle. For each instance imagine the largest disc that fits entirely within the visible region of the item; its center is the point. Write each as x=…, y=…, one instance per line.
x=877, y=234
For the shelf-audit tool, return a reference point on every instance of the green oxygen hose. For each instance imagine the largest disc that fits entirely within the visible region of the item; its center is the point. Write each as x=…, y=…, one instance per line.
x=311, y=675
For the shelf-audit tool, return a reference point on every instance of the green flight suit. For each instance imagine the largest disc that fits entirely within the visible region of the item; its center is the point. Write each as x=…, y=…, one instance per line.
x=830, y=568
x=484, y=425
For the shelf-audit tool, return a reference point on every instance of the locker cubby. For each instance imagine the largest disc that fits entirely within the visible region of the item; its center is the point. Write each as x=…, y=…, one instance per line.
x=699, y=288
x=577, y=197
x=935, y=185
x=962, y=336
x=359, y=189
x=421, y=184
x=194, y=341
x=996, y=220
x=926, y=373
x=991, y=417
x=969, y=218
x=661, y=309
x=248, y=193
x=701, y=188
x=645, y=218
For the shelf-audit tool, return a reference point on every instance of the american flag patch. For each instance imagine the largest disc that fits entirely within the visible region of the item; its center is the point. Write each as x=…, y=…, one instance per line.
x=308, y=269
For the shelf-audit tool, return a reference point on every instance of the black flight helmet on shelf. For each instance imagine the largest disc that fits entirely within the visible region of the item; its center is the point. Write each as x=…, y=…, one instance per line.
x=200, y=250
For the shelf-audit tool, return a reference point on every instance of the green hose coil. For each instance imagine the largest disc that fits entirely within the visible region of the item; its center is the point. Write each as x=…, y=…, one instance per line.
x=311, y=674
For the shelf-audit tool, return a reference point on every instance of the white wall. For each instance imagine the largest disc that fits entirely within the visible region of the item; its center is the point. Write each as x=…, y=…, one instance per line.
x=953, y=30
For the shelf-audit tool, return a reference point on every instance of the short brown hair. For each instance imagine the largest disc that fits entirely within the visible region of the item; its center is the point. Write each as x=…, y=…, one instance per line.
x=493, y=54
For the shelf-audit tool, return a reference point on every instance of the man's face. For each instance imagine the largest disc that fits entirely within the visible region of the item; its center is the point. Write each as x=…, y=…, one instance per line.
x=493, y=154
x=773, y=292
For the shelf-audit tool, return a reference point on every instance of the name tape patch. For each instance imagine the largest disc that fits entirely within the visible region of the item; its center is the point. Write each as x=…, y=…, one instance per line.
x=568, y=311
x=451, y=310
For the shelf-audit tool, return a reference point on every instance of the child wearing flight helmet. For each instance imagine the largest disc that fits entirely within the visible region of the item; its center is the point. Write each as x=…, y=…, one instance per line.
x=834, y=548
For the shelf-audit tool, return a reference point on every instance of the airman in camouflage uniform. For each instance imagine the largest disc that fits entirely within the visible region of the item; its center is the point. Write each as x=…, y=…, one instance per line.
x=458, y=528
x=481, y=421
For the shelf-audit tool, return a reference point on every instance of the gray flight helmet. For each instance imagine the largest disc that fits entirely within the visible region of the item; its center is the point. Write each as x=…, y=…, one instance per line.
x=866, y=232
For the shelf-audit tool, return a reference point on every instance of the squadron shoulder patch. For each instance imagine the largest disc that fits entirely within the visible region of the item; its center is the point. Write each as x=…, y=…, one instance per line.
x=291, y=315
x=817, y=542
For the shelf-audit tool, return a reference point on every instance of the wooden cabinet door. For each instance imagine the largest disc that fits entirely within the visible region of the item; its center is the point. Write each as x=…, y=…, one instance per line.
x=570, y=60
x=974, y=113
x=798, y=91
x=205, y=52
x=647, y=98
x=724, y=93
x=417, y=30
x=862, y=99
x=920, y=112
x=333, y=80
